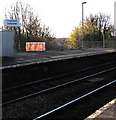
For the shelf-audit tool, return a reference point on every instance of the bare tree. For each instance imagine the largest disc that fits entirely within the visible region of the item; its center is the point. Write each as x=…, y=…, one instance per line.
x=31, y=27
x=103, y=23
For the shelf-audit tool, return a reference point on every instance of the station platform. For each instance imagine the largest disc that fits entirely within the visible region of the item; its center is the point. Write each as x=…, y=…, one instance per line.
x=27, y=58
x=107, y=112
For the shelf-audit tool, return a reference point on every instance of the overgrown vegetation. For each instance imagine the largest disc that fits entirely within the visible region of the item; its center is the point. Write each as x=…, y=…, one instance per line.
x=31, y=28
x=96, y=28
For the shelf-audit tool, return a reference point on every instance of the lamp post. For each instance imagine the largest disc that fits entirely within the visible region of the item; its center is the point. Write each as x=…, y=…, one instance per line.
x=103, y=38
x=83, y=25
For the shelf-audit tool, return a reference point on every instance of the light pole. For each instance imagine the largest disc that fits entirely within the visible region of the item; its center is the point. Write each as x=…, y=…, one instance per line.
x=83, y=25
x=103, y=38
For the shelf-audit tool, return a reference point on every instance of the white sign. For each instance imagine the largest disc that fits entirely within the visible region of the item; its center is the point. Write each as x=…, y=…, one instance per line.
x=11, y=23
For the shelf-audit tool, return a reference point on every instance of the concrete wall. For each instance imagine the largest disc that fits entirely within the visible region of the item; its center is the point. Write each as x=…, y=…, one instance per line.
x=6, y=43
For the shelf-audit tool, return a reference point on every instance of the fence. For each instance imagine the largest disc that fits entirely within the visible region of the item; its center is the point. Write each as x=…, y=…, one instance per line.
x=68, y=45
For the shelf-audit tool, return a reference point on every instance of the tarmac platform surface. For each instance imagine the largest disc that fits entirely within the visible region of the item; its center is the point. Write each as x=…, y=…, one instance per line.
x=25, y=58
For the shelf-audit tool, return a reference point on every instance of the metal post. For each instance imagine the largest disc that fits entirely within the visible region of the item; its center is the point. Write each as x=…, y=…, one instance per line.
x=83, y=25
x=103, y=39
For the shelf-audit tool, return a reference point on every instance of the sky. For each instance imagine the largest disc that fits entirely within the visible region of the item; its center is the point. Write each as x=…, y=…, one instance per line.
x=62, y=16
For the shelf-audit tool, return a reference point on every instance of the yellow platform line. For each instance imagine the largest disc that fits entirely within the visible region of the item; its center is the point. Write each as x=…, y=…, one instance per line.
x=61, y=56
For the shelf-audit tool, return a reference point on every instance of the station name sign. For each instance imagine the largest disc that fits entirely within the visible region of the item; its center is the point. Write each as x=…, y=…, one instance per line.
x=11, y=23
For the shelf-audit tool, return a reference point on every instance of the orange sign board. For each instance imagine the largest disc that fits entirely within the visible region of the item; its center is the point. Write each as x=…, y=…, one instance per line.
x=35, y=46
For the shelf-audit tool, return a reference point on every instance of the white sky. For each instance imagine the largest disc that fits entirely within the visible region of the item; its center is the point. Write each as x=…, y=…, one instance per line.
x=63, y=15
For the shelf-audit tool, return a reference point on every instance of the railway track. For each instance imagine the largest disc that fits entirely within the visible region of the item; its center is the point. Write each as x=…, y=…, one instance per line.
x=17, y=93
x=55, y=113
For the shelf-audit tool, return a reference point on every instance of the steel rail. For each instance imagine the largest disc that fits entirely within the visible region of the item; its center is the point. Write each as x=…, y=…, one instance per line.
x=58, y=86
x=75, y=100
x=42, y=80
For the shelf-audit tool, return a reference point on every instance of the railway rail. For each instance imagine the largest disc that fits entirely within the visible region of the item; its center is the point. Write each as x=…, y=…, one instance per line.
x=17, y=93
x=49, y=114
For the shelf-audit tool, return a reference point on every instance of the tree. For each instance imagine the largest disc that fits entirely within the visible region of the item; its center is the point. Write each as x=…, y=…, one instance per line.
x=90, y=34
x=31, y=27
x=95, y=28
x=103, y=23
